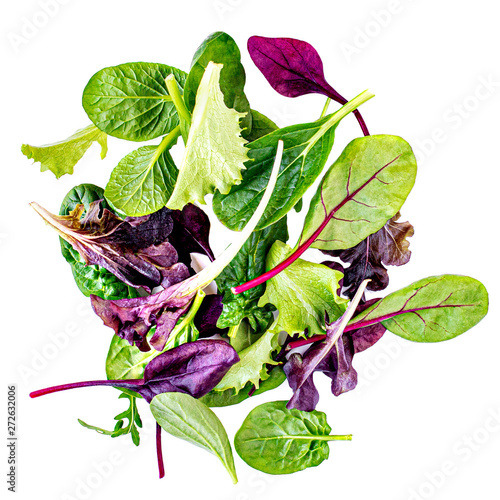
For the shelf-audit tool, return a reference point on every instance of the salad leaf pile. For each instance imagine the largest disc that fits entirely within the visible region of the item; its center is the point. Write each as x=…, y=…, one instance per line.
x=130, y=247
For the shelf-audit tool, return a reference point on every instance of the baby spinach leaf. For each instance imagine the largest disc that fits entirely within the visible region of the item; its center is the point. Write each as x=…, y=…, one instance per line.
x=131, y=101
x=364, y=188
x=91, y=279
x=248, y=264
x=131, y=414
x=144, y=180
x=215, y=152
x=387, y=247
x=261, y=126
x=252, y=364
x=430, y=310
x=230, y=397
x=302, y=293
x=188, y=418
x=306, y=150
x=277, y=440
x=294, y=68
x=61, y=157
x=220, y=48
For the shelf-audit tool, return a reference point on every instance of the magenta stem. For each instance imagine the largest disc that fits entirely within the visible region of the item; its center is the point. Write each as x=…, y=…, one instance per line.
x=159, y=453
x=91, y=383
x=341, y=100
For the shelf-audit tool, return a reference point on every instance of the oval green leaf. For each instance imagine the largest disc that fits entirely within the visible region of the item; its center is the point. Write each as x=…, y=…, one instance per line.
x=131, y=101
x=277, y=440
x=188, y=418
x=430, y=310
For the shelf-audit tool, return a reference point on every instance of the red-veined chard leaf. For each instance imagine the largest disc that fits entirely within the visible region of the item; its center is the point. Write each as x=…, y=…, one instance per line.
x=306, y=150
x=430, y=310
x=360, y=192
x=131, y=101
x=387, y=247
x=293, y=68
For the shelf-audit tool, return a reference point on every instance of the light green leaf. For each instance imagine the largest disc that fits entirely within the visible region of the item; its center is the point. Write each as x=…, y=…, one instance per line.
x=61, y=157
x=302, y=293
x=188, y=418
x=215, y=151
x=430, y=310
x=252, y=364
x=277, y=440
x=131, y=101
x=361, y=191
x=144, y=180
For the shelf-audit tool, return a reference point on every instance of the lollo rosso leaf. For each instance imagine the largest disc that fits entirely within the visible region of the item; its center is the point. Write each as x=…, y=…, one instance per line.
x=215, y=151
x=306, y=150
x=293, y=68
x=91, y=279
x=189, y=419
x=131, y=101
x=61, y=157
x=144, y=180
x=430, y=310
x=277, y=440
x=134, y=250
x=302, y=293
x=220, y=48
x=387, y=247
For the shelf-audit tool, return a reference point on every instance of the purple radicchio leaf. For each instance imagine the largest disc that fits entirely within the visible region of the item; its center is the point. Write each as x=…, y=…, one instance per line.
x=333, y=357
x=293, y=68
x=190, y=233
x=207, y=316
x=131, y=319
x=104, y=239
x=387, y=247
x=194, y=368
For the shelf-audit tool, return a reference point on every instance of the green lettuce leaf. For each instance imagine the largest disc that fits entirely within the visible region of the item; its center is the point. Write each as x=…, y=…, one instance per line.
x=302, y=293
x=215, y=151
x=61, y=157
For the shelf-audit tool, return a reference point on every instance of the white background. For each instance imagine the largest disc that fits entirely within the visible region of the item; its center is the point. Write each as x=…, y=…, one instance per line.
x=416, y=405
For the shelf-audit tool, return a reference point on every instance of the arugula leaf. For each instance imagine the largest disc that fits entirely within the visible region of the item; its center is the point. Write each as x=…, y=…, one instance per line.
x=215, y=151
x=302, y=293
x=131, y=101
x=91, y=279
x=61, y=157
x=220, y=48
x=248, y=264
x=144, y=180
x=252, y=364
x=131, y=414
x=277, y=440
x=430, y=310
x=388, y=246
x=230, y=397
x=188, y=418
x=306, y=150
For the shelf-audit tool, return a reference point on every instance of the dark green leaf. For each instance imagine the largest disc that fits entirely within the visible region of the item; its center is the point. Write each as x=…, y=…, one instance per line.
x=91, y=279
x=220, y=48
x=131, y=101
x=188, y=418
x=248, y=264
x=276, y=440
x=261, y=126
x=430, y=310
x=306, y=150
